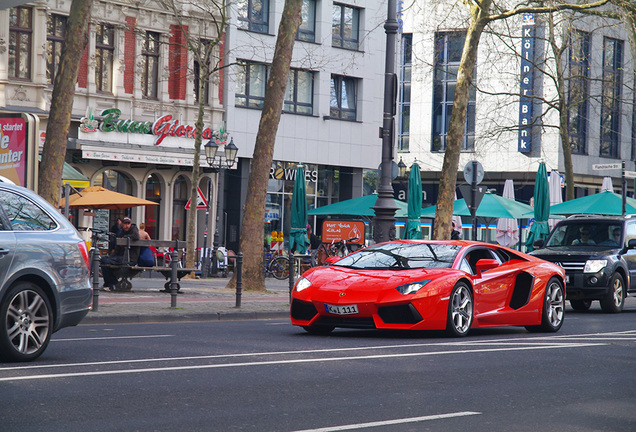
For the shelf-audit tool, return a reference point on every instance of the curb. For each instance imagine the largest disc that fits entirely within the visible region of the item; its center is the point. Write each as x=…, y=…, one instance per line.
x=182, y=317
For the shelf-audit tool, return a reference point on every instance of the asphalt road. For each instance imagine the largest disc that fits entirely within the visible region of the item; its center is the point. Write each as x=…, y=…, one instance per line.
x=266, y=375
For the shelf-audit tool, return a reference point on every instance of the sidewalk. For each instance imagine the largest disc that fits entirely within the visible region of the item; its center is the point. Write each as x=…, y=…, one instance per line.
x=200, y=299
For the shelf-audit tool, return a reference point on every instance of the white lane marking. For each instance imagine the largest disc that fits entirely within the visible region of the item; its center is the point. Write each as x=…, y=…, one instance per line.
x=526, y=342
x=109, y=338
x=392, y=422
x=283, y=362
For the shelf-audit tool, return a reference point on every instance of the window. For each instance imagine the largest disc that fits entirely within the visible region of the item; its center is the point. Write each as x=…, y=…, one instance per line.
x=20, y=34
x=104, y=53
x=343, y=98
x=404, y=113
x=345, y=26
x=150, y=65
x=55, y=32
x=204, y=47
x=610, y=100
x=307, y=30
x=250, y=85
x=253, y=15
x=578, y=92
x=448, y=53
x=25, y=215
x=299, y=94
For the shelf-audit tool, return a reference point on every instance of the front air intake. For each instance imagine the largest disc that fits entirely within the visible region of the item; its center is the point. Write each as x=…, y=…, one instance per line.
x=303, y=311
x=400, y=314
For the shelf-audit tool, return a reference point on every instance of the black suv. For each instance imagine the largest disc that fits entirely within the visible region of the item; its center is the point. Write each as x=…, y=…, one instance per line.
x=598, y=254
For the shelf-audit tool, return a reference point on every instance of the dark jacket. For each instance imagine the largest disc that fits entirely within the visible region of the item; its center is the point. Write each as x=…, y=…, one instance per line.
x=133, y=233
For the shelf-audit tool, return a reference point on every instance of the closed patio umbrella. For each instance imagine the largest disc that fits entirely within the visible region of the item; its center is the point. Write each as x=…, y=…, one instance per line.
x=413, y=225
x=540, y=228
x=298, y=240
x=556, y=197
x=507, y=229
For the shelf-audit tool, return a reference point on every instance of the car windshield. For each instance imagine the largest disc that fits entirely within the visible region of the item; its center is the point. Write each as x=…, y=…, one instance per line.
x=586, y=234
x=398, y=256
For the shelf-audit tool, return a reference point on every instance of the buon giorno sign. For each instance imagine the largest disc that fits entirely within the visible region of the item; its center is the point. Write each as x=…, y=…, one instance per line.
x=164, y=126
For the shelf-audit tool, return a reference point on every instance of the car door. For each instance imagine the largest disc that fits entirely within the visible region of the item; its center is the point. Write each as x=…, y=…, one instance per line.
x=7, y=247
x=491, y=288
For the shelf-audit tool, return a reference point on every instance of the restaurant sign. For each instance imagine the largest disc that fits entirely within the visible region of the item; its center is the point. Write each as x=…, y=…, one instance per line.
x=164, y=126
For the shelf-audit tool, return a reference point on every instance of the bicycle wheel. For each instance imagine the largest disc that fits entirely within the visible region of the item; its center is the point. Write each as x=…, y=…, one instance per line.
x=279, y=267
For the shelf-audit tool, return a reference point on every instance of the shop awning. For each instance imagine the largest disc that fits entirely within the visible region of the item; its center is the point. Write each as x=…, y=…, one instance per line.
x=73, y=177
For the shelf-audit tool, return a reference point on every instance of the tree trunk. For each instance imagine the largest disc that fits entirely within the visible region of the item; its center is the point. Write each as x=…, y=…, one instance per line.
x=59, y=122
x=251, y=241
x=448, y=179
x=191, y=228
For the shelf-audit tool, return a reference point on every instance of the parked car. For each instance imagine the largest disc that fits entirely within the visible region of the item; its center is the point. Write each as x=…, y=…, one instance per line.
x=44, y=283
x=598, y=254
x=430, y=285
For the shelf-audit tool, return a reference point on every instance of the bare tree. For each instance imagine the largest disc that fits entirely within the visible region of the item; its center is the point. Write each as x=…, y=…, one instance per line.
x=482, y=13
x=59, y=122
x=203, y=44
x=251, y=240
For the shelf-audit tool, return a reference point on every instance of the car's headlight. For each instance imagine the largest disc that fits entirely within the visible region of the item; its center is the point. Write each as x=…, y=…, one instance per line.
x=302, y=284
x=412, y=287
x=594, y=266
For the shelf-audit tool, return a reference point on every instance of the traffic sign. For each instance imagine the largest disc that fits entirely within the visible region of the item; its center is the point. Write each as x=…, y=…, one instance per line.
x=608, y=166
x=468, y=172
x=202, y=203
x=630, y=174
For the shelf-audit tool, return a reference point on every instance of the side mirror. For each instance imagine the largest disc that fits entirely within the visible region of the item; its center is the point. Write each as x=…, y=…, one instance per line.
x=538, y=243
x=631, y=244
x=484, y=265
x=332, y=260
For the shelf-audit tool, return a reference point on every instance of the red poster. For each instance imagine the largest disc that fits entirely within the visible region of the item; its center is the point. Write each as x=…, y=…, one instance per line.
x=13, y=155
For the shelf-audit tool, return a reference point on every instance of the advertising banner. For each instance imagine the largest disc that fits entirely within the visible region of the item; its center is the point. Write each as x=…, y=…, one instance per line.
x=13, y=151
x=337, y=230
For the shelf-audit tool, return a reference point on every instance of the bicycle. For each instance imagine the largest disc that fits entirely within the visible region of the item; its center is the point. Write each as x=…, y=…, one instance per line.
x=277, y=266
x=335, y=248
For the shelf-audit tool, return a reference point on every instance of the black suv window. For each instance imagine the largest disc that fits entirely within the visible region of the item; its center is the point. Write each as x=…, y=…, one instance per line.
x=24, y=215
x=587, y=233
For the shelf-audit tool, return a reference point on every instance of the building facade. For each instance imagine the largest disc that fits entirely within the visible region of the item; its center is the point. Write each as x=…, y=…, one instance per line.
x=512, y=118
x=136, y=103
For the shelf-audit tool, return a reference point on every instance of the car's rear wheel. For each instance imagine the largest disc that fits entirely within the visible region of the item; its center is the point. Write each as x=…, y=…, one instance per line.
x=460, y=311
x=581, y=305
x=319, y=330
x=553, y=308
x=615, y=298
x=26, y=321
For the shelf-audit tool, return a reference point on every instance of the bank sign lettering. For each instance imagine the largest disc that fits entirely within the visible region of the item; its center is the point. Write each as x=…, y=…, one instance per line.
x=527, y=83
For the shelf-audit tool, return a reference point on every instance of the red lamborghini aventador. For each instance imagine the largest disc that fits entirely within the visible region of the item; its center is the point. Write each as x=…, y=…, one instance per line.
x=431, y=285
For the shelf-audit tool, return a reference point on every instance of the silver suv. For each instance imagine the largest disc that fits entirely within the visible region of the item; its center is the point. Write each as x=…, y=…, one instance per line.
x=44, y=283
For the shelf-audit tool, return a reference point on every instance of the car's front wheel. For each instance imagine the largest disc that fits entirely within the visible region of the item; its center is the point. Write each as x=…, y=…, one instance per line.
x=614, y=300
x=553, y=308
x=26, y=321
x=460, y=310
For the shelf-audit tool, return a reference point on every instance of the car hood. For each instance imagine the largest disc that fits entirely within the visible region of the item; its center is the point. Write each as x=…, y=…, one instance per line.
x=370, y=282
x=572, y=253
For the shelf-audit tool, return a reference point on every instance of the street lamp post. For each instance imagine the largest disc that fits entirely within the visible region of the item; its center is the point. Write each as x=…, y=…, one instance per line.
x=384, y=225
x=217, y=163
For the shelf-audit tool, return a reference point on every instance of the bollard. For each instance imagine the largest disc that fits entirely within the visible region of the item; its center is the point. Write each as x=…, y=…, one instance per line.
x=95, y=279
x=239, y=278
x=292, y=272
x=173, y=278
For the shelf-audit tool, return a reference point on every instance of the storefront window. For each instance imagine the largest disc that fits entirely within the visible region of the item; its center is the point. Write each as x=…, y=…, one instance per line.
x=153, y=193
x=118, y=182
x=178, y=209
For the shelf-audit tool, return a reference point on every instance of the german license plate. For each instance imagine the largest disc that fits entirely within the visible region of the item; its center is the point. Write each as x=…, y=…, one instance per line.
x=342, y=310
